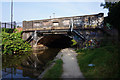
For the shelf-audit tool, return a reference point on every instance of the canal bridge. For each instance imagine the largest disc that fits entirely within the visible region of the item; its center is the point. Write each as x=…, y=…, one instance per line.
x=80, y=28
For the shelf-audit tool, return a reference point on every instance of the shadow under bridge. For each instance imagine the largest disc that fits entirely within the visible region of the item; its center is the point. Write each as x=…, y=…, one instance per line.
x=54, y=38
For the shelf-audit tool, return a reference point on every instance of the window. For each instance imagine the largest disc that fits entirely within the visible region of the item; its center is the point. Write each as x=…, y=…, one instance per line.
x=55, y=24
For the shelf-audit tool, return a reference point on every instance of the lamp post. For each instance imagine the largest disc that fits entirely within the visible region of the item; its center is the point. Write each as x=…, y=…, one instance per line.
x=11, y=12
x=53, y=15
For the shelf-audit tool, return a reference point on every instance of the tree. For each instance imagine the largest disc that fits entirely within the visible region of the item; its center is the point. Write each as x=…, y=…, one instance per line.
x=114, y=14
x=108, y=5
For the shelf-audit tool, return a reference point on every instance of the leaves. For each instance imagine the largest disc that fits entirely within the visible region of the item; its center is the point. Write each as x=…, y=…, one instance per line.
x=114, y=14
x=13, y=43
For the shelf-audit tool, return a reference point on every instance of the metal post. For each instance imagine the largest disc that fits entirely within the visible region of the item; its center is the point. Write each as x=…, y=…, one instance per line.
x=5, y=25
x=11, y=12
x=50, y=17
x=72, y=25
x=35, y=37
x=53, y=15
x=14, y=24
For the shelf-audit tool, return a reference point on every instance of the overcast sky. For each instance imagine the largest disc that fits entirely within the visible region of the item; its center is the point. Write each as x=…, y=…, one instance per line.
x=43, y=10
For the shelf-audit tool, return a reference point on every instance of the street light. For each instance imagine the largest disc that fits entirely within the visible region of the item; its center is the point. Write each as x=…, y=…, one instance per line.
x=53, y=15
x=11, y=12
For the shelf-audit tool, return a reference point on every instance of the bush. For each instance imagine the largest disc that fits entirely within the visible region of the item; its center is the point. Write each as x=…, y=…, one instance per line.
x=13, y=43
x=8, y=30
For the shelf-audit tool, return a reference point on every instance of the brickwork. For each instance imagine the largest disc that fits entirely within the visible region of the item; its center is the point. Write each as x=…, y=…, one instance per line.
x=87, y=21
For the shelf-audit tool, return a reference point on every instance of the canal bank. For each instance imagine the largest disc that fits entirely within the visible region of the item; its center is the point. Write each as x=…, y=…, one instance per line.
x=27, y=66
x=50, y=71
x=100, y=63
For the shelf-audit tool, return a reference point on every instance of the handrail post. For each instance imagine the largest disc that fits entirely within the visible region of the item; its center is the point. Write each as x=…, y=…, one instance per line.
x=71, y=28
x=35, y=37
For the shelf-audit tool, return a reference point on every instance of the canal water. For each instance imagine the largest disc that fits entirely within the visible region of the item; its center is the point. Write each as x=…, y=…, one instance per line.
x=28, y=66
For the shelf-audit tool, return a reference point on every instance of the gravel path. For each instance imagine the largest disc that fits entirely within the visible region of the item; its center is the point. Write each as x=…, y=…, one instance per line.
x=70, y=65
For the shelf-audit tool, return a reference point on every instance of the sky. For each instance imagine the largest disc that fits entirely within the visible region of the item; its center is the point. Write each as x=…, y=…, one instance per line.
x=43, y=10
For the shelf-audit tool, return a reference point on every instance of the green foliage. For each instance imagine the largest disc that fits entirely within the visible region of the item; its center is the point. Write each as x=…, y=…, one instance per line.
x=13, y=43
x=18, y=26
x=74, y=42
x=108, y=5
x=105, y=59
x=55, y=71
x=113, y=14
x=8, y=30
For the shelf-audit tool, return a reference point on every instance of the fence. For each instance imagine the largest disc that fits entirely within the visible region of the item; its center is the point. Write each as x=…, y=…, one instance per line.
x=9, y=25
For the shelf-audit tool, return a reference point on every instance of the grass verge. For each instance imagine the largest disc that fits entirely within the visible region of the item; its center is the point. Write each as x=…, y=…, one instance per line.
x=105, y=59
x=55, y=71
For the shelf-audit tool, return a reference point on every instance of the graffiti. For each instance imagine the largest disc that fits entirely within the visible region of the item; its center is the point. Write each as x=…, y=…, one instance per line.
x=92, y=43
x=88, y=21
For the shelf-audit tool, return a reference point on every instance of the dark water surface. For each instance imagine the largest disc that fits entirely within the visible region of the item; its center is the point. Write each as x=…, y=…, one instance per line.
x=27, y=66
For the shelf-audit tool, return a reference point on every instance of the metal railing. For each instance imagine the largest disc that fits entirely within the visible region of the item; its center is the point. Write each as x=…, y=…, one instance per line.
x=8, y=24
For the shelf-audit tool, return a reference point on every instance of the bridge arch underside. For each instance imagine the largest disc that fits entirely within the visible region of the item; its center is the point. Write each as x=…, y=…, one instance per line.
x=63, y=39
x=55, y=40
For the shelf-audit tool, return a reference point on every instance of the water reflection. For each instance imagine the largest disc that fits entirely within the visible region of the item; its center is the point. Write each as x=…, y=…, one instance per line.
x=27, y=66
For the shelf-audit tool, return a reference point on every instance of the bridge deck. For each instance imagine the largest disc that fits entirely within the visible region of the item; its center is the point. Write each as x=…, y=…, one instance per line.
x=56, y=29
x=44, y=28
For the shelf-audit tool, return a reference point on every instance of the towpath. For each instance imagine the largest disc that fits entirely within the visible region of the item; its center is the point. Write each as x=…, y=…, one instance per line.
x=70, y=65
